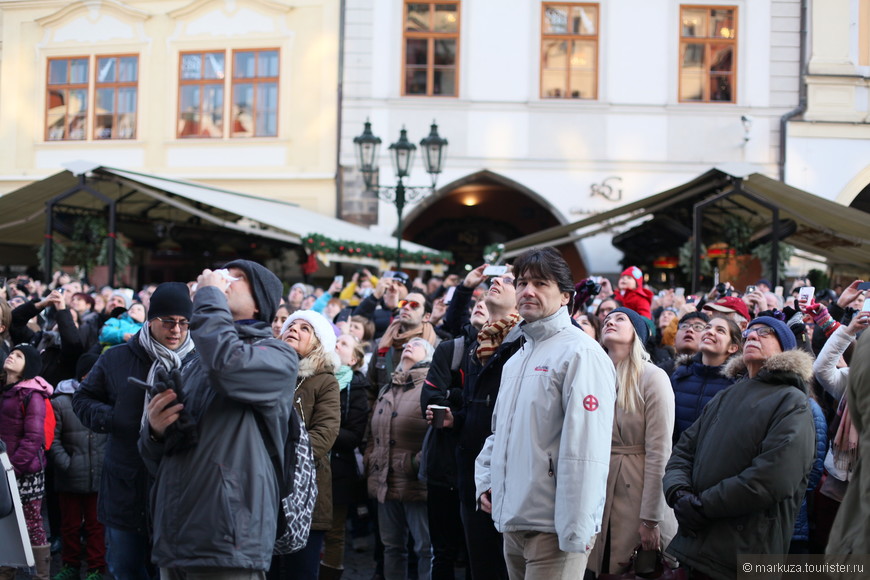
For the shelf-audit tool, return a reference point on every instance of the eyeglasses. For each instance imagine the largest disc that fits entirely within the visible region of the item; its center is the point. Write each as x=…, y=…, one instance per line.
x=169, y=324
x=506, y=280
x=761, y=331
x=697, y=327
x=413, y=304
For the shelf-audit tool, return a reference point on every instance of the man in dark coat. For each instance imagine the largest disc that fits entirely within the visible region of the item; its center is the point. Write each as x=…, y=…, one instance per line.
x=480, y=372
x=216, y=494
x=737, y=476
x=107, y=403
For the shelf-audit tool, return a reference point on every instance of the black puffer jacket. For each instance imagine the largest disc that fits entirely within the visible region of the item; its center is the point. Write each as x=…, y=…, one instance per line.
x=347, y=483
x=695, y=384
x=747, y=457
x=107, y=403
x=77, y=452
x=443, y=386
x=474, y=420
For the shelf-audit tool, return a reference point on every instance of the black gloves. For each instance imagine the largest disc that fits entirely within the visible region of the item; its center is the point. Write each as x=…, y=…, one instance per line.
x=689, y=512
x=181, y=435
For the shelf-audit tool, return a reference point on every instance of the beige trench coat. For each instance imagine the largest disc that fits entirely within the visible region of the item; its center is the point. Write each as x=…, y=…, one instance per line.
x=640, y=448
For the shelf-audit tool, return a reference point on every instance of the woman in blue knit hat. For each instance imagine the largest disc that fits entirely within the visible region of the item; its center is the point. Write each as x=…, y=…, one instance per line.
x=738, y=474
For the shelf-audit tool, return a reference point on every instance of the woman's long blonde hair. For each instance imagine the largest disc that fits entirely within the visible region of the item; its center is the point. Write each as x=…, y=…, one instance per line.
x=628, y=372
x=318, y=360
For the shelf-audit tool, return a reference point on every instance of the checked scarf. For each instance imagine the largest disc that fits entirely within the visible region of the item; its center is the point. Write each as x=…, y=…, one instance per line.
x=492, y=335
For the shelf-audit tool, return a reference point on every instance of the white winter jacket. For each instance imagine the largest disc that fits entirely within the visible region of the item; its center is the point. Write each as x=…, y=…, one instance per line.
x=835, y=381
x=547, y=459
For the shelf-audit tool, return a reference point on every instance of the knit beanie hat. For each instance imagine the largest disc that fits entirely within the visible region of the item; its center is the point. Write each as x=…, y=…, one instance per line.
x=634, y=272
x=265, y=285
x=783, y=332
x=128, y=299
x=32, y=360
x=323, y=329
x=170, y=299
x=637, y=321
x=85, y=363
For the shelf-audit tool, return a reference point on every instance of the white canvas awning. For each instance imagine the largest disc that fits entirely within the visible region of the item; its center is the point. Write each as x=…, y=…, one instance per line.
x=823, y=227
x=156, y=198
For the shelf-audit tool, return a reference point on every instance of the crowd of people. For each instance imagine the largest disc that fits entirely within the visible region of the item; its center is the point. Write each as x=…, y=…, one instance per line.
x=509, y=421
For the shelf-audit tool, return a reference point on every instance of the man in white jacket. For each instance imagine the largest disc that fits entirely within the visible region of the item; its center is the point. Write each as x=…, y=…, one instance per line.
x=543, y=471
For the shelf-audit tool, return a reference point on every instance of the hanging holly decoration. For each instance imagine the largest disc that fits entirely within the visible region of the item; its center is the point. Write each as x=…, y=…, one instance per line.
x=314, y=243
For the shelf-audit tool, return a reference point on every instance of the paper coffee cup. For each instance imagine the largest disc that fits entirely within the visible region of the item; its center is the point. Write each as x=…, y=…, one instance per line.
x=438, y=414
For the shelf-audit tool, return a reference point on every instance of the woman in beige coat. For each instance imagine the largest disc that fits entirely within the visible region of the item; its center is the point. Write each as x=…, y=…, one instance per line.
x=392, y=462
x=635, y=512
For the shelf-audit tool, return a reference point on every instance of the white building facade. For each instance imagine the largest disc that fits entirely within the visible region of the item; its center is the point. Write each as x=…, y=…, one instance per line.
x=828, y=149
x=630, y=96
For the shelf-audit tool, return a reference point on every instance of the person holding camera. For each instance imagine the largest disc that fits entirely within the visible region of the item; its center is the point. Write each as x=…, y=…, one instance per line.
x=107, y=403
x=382, y=305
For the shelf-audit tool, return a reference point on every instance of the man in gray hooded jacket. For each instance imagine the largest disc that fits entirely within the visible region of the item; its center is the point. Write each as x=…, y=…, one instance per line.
x=215, y=497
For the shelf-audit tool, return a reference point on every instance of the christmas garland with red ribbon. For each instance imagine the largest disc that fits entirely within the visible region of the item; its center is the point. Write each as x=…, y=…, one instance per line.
x=320, y=243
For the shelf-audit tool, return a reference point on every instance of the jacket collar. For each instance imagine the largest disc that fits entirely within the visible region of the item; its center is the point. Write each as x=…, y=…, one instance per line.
x=794, y=367
x=37, y=384
x=406, y=379
x=548, y=326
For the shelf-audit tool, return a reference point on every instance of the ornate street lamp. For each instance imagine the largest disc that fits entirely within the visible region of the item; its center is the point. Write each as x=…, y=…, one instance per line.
x=402, y=156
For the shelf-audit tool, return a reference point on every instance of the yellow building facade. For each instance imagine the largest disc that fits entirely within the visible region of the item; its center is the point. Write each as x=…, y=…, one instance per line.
x=236, y=94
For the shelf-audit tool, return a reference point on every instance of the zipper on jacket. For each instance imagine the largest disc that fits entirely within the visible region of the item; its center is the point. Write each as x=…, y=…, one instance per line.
x=551, y=472
x=488, y=399
x=301, y=412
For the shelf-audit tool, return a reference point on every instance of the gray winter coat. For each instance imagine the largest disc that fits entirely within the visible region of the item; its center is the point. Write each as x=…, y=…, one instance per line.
x=747, y=458
x=216, y=505
x=77, y=452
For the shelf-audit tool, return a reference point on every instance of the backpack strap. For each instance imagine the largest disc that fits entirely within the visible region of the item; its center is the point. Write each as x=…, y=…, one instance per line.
x=458, y=351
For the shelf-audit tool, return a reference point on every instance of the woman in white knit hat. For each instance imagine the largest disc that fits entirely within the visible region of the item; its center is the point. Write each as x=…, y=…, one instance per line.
x=317, y=401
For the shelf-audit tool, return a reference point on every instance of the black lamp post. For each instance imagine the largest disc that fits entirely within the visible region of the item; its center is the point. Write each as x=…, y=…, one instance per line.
x=402, y=156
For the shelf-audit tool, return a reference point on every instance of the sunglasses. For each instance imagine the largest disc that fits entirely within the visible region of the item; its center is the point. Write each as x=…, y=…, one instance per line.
x=761, y=331
x=412, y=303
x=169, y=324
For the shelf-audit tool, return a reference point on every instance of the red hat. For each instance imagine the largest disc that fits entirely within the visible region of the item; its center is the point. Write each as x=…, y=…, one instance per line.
x=634, y=272
x=729, y=304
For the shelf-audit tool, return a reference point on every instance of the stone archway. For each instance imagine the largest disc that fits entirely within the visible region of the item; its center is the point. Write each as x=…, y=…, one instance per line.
x=481, y=209
x=856, y=193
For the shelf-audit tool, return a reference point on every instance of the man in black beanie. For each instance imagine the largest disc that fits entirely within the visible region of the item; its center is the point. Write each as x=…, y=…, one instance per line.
x=215, y=503
x=107, y=403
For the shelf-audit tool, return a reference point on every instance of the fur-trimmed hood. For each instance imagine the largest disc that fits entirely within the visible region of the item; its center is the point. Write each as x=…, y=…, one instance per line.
x=317, y=361
x=795, y=362
x=685, y=360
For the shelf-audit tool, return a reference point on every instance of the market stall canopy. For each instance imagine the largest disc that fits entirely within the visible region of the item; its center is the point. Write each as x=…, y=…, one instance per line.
x=813, y=224
x=141, y=196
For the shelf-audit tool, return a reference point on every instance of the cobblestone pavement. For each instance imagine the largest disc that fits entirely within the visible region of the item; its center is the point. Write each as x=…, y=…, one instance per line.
x=358, y=565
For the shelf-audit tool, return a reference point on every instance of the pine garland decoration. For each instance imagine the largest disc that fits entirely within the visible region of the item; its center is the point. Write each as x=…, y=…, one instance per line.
x=321, y=243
